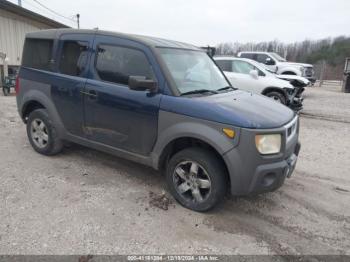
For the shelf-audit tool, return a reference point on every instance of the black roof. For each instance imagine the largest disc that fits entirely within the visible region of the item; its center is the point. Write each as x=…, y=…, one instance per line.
x=13, y=8
x=147, y=40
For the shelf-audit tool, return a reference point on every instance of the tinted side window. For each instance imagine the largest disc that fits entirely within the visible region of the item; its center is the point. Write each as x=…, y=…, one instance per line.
x=261, y=58
x=247, y=55
x=225, y=65
x=37, y=54
x=116, y=64
x=73, y=57
x=242, y=67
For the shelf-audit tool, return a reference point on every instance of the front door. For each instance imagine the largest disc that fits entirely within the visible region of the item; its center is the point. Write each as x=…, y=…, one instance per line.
x=115, y=115
x=262, y=58
x=241, y=78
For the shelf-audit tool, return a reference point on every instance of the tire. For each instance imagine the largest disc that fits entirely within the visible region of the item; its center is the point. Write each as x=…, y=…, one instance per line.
x=6, y=91
x=210, y=180
x=277, y=96
x=42, y=134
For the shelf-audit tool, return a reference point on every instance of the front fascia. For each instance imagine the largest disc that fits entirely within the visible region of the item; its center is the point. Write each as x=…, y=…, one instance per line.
x=245, y=163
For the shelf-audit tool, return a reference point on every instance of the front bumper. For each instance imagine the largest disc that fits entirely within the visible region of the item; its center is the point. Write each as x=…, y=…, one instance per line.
x=296, y=103
x=252, y=173
x=295, y=99
x=312, y=79
x=269, y=177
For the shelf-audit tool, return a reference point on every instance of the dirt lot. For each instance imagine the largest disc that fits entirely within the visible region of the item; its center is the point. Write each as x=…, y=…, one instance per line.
x=84, y=201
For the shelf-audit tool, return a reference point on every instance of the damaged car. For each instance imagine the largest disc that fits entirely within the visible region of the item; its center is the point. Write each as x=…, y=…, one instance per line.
x=246, y=74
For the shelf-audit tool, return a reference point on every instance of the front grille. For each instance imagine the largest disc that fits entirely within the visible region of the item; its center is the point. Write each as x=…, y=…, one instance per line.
x=291, y=128
x=309, y=71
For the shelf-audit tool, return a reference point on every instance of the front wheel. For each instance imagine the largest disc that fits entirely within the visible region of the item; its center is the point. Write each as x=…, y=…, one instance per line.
x=196, y=178
x=278, y=97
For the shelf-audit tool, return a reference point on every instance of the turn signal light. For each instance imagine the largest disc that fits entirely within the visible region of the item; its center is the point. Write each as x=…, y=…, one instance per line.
x=229, y=132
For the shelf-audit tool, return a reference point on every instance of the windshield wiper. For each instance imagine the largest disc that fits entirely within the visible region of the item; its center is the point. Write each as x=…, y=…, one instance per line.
x=199, y=91
x=226, y=88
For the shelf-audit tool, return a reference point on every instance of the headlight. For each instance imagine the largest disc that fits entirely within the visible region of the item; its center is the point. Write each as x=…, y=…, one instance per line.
x=302, y=70
x=268, y=144
x=289, y=90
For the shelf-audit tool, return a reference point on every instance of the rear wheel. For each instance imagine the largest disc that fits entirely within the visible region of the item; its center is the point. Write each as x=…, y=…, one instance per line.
x=42, y=134
x=196, y=178
x=276, y=96
x=6, y=91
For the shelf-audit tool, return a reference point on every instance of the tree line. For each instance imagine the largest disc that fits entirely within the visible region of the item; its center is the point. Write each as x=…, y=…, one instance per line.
x=328, y=53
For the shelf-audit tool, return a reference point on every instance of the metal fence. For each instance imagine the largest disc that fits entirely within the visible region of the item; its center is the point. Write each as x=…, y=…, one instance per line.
x=326, y=71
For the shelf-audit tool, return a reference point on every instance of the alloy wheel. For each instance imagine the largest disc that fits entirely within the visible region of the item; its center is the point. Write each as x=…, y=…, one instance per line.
x=39, y=133
x=192, y=181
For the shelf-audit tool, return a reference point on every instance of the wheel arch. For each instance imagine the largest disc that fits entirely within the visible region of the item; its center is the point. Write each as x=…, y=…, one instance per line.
x=289, y=71
x=189, y=132
x=35, y=99
x=274, y=89
x=179, y=143
x=29, y=107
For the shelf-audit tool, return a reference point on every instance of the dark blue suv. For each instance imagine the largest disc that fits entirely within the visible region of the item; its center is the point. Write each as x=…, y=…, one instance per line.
x=161, y=103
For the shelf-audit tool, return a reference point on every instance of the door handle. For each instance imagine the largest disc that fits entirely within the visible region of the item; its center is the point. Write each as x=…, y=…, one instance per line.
x=92, y=94
x=63, y=89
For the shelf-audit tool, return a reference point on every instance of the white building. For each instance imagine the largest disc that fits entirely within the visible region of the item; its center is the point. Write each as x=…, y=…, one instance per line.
x=15, y=22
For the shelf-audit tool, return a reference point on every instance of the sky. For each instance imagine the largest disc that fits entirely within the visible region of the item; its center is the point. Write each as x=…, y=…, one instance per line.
x=207, y=22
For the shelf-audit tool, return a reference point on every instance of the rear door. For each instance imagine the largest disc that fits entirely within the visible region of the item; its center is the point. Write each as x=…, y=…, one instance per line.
x=73, y=53
x=237, y=72
x=115, y=115
x=242, y=78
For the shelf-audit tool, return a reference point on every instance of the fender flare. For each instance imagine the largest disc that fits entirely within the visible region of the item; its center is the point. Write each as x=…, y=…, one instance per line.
x=276, y=89
x=289, y=69
x=34, y=95
x=208, y=134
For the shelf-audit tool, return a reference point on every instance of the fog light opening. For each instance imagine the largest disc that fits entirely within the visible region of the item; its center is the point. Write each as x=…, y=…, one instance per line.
x=268, y=179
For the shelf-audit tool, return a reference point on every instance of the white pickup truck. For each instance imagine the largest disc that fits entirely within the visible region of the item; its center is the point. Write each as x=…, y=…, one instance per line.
x=279, y=65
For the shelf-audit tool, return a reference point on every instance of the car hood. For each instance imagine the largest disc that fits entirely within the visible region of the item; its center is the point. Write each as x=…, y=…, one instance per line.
x=296, y=64
x=275, y=81
x=238, y=108
x=294, y=77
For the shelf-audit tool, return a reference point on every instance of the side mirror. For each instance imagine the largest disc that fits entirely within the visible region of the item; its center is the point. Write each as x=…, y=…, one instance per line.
x=141, y=83
x=269, y=61
x=254, y=74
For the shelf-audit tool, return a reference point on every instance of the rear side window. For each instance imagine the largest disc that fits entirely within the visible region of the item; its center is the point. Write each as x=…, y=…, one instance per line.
x=242, y=67
x=225, y=65
x=37, y=54
x=115, y=64
x=73, y=58
x=247, y=55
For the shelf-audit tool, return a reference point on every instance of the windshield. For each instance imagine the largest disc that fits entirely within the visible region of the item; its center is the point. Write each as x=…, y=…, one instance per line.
x=193, y=70
x=276, y=56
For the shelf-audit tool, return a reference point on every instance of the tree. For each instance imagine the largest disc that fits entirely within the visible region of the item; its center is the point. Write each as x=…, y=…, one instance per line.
x=333, y=51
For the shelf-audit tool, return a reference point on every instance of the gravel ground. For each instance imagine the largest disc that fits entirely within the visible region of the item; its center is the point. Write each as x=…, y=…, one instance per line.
x=83, y=201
